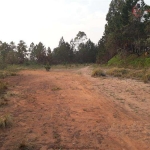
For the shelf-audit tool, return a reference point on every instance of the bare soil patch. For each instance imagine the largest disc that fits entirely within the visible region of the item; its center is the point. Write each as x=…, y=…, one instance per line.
x=68, y=109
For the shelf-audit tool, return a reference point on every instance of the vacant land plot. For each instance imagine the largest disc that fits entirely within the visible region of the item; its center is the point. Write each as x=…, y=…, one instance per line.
x=69, y=109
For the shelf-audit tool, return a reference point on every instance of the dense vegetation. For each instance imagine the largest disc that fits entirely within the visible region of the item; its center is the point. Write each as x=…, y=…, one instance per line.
x=125, y=34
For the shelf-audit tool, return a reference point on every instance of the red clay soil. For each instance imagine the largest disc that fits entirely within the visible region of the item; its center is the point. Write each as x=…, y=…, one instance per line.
x=68, y=109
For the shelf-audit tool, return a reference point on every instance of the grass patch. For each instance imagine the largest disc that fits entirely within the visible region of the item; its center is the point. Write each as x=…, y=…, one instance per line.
x=3, y=102
x=141, y=74
x=3, y=87
x=115, y=61
x=11, y=70
x=25, y=145
x=4, y=74
x=146, y=78
x=70, y=66
x=5, y=121
x=118, y=72
x=131, y=61
x=98, y=73
x=56, y=89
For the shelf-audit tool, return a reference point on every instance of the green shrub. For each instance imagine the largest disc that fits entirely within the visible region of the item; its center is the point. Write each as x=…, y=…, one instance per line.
x=47, y=67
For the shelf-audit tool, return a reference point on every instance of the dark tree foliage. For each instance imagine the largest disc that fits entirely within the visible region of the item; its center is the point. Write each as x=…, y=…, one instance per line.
x=49, y=58
x=38, y=53
x=8, y=53
x=63, y=53
x=87, y=52
x=21, y=52
x=125, y=32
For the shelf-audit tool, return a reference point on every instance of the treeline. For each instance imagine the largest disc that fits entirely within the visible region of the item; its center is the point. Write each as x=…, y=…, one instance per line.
x=79, y=50
x=127, y=30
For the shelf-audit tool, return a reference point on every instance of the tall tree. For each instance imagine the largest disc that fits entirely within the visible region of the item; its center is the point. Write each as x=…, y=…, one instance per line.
x=38, y=53
x=21, y=51
x=49, y=55
x=12, y=54
x=63, y=53
x=4, y=49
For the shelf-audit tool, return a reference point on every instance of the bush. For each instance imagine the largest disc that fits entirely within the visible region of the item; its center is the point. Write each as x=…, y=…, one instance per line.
x=47, y=67
x=98, y=73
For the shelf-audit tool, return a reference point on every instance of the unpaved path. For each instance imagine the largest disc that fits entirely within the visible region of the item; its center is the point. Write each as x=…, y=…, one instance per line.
x=68, y=109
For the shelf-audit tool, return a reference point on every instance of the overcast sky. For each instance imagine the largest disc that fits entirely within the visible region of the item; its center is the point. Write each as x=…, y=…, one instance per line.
x=48, y=20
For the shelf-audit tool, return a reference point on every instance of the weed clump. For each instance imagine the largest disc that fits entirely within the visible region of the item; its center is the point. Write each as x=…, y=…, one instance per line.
x=5, y=121
x=146, y=78
x=56, y=89
x=3, y=87
x=98, y=73
x=25, y=146
x=4, y=74
x=3, y=102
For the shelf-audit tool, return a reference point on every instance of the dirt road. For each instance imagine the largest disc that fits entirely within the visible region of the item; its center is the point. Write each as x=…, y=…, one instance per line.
x=68, y=109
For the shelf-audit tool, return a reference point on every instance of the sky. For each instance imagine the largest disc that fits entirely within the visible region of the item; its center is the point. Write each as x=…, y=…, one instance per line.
x=47, y=21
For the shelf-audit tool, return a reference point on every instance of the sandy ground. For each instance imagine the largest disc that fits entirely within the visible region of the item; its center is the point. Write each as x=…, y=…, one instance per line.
x=68, y=109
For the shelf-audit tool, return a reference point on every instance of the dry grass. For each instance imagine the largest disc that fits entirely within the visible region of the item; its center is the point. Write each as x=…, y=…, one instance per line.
x=143, y=74
x=5, y=121
x=146, y=78
x=118, y=72
x=98, y=73
x=56, y=89
x=4, y=74
x=25, y=145
x=3, y=87
x=3, y=102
